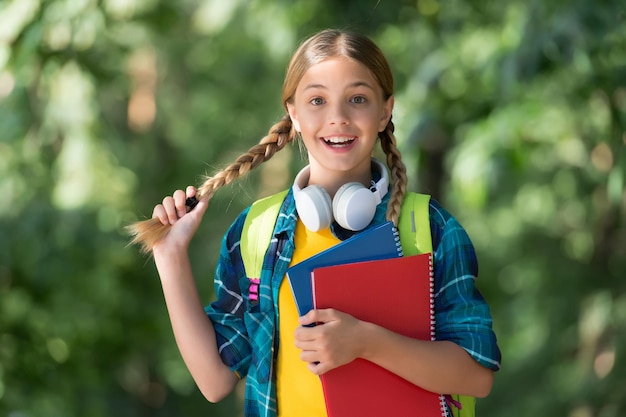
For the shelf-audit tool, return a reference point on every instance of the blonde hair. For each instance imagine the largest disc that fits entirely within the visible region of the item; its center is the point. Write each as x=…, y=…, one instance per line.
x=320, y=47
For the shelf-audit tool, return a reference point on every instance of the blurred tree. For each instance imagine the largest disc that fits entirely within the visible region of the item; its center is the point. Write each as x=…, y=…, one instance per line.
x=513, y=114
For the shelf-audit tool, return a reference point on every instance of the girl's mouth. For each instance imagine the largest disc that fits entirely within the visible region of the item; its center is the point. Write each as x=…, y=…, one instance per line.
x=339, y=141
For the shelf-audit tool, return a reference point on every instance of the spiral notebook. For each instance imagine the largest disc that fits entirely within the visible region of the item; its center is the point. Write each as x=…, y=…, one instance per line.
x=398, y=295
x=379, y=242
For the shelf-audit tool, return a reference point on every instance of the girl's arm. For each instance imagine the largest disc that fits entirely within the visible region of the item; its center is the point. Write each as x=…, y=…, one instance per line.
x=439, y=366
x=193, y=331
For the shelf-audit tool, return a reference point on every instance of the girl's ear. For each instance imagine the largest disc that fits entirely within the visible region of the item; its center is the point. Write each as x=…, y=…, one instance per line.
x=386, y=116
x=292, y=113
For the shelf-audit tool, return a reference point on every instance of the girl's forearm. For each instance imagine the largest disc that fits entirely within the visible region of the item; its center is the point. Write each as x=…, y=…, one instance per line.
x=193, y=331
x=439, y=366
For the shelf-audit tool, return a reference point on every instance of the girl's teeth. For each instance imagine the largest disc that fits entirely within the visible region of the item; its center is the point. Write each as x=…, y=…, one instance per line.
x=338, y=140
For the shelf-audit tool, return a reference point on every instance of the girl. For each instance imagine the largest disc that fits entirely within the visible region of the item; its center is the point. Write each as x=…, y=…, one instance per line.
x=338, y=97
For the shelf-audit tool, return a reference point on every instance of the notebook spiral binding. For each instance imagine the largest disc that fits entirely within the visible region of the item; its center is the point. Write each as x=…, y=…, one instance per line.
x=442, y=398
x=432, y=297
x=444, y=406
x=396, y=236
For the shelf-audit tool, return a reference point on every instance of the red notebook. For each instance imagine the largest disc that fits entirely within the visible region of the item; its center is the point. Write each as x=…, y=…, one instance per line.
x=395, y=293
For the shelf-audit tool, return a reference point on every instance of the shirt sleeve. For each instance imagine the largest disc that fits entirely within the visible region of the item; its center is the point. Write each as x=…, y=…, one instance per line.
x=228, y=310
x=461, y=313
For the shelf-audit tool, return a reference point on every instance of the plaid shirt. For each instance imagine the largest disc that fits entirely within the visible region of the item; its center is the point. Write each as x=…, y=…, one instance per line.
x=247, y=330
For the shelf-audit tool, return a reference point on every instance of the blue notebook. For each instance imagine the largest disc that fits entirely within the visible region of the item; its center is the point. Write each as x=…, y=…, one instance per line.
x=379, y=242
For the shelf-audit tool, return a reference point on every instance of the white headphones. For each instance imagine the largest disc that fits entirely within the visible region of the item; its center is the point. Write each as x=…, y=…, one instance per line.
x=353, y=207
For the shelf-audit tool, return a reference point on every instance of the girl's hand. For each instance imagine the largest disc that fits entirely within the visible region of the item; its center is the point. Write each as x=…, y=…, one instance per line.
x=335, y=340
x=173, y=211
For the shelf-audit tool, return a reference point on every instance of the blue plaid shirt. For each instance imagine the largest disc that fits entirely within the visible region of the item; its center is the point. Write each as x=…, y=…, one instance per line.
x=247, y=330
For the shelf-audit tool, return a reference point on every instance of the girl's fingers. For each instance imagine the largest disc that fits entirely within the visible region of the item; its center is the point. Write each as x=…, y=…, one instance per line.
x=159, y=213
x=174, y=207
x=169, y=205
x=179, y=200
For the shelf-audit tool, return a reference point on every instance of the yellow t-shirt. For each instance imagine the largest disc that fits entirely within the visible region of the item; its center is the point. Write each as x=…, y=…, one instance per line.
x=299, y=391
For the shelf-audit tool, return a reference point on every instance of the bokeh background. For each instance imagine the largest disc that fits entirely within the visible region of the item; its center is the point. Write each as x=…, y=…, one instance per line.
x=511, y=113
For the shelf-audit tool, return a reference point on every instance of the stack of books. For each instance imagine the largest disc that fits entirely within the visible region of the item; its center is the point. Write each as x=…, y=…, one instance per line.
x=367, y=277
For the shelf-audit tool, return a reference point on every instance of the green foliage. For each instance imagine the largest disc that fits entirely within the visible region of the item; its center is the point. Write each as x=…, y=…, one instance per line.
x=513, y=114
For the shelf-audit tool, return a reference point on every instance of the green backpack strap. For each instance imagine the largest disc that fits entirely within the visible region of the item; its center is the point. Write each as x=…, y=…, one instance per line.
x=468, y=406
x=415, y=238
x=257, y=232
x=414, y=224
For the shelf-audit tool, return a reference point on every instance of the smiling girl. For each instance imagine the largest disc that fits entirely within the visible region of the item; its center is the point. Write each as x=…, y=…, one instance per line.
x=338, y=97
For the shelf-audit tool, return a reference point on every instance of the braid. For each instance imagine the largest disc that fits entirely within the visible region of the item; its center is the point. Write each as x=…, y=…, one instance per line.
x=398, y=173
x=148, y=233
x=279, y=135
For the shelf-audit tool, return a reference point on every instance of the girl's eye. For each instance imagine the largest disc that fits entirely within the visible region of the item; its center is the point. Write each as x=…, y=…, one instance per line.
x=358, y=99
x=317, y=101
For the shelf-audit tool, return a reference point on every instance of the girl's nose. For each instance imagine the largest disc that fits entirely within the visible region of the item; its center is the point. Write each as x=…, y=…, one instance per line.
x=339, y=114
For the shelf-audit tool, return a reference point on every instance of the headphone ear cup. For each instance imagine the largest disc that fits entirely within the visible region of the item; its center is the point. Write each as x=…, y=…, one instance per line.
x=354, y=206
x=314, y=207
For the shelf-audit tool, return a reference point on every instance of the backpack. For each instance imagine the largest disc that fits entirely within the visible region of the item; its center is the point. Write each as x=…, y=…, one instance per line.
x=415, y=238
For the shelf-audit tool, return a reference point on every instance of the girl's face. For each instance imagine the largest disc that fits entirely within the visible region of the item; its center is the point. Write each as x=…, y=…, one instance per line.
x=339, y=109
